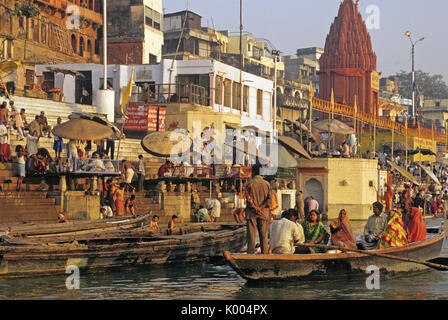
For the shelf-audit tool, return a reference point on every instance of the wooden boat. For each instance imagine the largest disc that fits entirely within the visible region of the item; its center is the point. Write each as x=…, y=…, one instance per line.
x=100, y=253
x=77, y=227
x=333, y=266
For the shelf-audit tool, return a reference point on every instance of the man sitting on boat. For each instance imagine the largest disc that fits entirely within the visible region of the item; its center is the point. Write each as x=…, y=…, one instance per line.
x=373, y=230
x=284, y=233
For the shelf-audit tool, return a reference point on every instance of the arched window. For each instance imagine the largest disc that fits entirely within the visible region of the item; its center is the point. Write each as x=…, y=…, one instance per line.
x=81, y=46
x=89, y=48
x=74, y=43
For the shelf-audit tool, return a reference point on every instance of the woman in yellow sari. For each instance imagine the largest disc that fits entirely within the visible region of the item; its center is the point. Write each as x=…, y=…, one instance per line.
x=395, y=234
x=341, y=231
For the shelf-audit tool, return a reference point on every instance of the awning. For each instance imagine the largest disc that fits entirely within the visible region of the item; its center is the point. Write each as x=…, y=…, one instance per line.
x=294, y=145
x=430, y=173
x=403, y=172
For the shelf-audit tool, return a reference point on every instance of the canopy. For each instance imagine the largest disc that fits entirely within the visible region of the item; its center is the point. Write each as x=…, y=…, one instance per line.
x=403, y=172
x=83, y=129
x=167, y=143
x=66, y=71
x=293, y=145
x=398, y=146
x=425, y=152
x=8, y=66
x=429, y=173
x=336, y=126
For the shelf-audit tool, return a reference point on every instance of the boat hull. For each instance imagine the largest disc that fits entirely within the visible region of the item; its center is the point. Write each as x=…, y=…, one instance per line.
x=27, y=260
x=334, y=266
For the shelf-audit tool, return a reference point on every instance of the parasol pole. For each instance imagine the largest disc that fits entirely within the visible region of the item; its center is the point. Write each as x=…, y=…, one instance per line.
x=420, y=149
x=432, y=143
x=310, y=115
x=355, y=112
x=393, y=132
x=374, y=134
x=329, y=119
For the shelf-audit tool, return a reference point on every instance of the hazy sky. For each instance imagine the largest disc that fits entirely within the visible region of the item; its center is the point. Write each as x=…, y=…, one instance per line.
x=293, y=24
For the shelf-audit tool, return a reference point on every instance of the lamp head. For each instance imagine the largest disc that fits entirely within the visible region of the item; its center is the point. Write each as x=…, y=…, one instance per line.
x=408, y=33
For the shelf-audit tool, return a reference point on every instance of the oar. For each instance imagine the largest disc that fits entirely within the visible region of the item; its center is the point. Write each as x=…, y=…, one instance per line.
x=387, y=256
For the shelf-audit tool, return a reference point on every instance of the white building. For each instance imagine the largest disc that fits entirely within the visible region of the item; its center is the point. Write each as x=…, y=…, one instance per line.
x=220, y=84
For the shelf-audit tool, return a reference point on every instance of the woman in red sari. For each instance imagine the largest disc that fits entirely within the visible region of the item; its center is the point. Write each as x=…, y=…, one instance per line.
x=416, y=227
x=341, y=232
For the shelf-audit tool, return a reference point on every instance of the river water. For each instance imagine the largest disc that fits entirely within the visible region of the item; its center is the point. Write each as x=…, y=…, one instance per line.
x=204, y=281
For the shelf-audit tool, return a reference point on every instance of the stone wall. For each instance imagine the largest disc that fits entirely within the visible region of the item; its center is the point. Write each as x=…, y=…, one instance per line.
x=178, y=203
x=80, y=206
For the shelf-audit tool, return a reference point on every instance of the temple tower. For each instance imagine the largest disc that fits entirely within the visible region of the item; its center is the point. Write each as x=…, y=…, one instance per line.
x=348, y=65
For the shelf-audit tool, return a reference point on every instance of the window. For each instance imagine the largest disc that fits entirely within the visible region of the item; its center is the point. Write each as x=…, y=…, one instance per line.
x=81, y=46
x=153, y=18
x=227, y=92
x=29, y=76
x=437, y=103
x=218, y=89
x=246, y=99
x=236, y=96
x=260, y=102
x=74, y=44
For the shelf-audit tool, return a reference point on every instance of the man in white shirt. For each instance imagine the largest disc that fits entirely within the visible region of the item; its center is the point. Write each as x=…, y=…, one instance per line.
x=284, y=233
x=106, y=212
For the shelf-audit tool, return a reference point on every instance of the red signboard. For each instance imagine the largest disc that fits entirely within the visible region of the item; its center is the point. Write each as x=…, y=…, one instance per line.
x=162, y=119
x=145, y=118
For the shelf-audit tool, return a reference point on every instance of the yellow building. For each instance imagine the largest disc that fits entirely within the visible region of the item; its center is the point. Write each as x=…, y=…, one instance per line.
x=257, y=55
x=385, y=136
x=337, y=184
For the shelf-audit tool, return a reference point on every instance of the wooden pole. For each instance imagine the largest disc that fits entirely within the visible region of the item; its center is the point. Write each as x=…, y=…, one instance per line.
x=374, y=135
x=393, y=132
x=377, y=254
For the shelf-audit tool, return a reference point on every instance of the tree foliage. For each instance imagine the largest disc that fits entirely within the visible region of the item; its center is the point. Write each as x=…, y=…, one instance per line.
x=26, y=9
x=431, y=86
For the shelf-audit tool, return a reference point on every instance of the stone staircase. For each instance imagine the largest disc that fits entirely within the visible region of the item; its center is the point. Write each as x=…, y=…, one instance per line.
x=20, y=207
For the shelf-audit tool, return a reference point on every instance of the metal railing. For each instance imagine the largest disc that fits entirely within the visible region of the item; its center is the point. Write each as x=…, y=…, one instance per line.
x=173, y=93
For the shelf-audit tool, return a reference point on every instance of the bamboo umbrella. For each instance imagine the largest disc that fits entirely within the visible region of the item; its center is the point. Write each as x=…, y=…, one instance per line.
x=83, y=129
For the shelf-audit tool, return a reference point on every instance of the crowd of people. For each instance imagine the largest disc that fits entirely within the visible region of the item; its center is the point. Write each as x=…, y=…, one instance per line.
x=401, y=223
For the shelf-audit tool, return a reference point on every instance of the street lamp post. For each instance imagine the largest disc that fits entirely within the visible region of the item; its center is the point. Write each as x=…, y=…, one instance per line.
x=408, y=34
x=276, y=54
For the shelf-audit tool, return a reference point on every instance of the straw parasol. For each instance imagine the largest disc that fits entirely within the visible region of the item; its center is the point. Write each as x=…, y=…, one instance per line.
x=101, y=119
x=336, y=126
x=83, y=129
x=167, y=143
x=294, y=145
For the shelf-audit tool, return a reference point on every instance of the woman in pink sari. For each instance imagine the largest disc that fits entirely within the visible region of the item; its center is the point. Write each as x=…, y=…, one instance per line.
x=341, y=232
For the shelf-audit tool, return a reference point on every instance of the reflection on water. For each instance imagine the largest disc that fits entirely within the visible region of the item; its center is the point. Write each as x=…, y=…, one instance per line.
x=202, y=281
